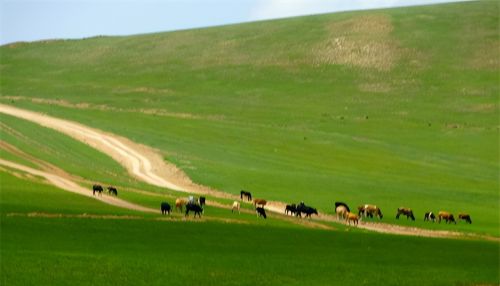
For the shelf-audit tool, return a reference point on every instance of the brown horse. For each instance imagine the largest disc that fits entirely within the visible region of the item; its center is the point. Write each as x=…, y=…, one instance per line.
x=352, y=217
x=446, y=216
x=180, y=202
x=405, y=211
x=370, y=211
x=259, y=202
x=465, y=217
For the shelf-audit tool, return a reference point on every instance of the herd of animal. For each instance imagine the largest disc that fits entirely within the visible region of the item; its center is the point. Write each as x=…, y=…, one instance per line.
x=99, y=189
x=342, y=210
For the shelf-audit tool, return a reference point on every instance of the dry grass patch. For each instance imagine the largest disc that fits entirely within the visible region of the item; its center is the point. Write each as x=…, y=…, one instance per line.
x=486, y=57
x=363, y=41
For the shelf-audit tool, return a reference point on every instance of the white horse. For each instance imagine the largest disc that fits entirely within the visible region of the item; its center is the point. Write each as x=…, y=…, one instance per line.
x=341, y=212
x=236, y=206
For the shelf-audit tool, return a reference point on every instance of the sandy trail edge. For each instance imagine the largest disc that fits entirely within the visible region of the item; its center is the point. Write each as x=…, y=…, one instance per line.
x=70, y=186
x=147, y=165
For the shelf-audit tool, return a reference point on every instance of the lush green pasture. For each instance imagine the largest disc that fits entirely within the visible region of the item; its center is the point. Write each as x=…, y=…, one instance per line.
x=23, y=195
x=129, y=252
x=95, y=251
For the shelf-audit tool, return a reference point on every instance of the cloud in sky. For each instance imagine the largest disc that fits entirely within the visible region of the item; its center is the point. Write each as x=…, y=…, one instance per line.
x=270, y=9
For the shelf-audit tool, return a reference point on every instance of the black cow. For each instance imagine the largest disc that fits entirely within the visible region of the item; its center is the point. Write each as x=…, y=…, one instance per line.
x=112, y=191
x=246, y=194
x=338, y=204
x=429, y=216
x=202, y=200
x=97, y=188
x=165, y=208
x=194, y=207
x=261, y=212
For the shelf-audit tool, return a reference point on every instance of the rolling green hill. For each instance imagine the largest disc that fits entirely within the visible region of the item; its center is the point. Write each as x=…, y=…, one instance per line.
x=392, y=107
x=396, y=107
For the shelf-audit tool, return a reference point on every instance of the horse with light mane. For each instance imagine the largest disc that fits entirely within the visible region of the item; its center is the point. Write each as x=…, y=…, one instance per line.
x=236, y=206
x=180, y=202
x=370, y=211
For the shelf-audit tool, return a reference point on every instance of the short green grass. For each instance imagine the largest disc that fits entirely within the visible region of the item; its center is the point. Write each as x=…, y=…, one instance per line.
x=130, y=252
x=85, y=251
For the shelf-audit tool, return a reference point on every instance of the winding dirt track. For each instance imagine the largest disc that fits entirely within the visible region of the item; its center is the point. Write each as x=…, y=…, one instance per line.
x=70, y=186
x=146, y=164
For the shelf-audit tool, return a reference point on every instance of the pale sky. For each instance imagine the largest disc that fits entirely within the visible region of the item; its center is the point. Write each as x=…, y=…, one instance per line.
x=31, y=20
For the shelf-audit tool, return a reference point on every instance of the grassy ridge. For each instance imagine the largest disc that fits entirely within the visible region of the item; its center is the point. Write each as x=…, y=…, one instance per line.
x=392, y=107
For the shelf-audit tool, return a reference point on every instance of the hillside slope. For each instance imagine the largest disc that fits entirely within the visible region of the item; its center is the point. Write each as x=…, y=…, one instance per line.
x=393, y=107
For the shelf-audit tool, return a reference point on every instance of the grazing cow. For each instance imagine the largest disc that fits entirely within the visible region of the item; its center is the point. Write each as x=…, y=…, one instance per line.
x=352, y=217
x=465, y=217
x=446, y=216
x=337, y=204
x=112, y=191
x=202, y=201
x=302, y=208
x=341, y=212
x=180, y=202
x=429, y=216
x=165, y=208
x=261, y=212
x=259, y=202
x=370, y=211
x=246, y=194
x=194, y=207
x=405, y=211
x=291, y=208
x=236, y=206
x=98, y=189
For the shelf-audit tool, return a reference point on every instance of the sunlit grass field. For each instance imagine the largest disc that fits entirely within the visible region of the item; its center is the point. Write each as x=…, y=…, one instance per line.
x=135, y=249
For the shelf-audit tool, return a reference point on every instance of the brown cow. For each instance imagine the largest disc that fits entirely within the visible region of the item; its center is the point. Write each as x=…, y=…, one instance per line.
x=352, y=217
x=449, y=218
x=259, y=202
x=465, y=217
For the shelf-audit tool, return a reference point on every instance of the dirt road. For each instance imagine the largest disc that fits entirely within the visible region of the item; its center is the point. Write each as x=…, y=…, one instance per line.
x=70, y=186
x=146, y=164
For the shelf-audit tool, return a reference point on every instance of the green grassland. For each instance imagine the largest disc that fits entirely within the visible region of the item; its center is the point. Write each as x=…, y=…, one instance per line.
x=392, y=107
x=144, y=251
